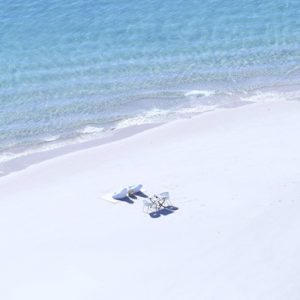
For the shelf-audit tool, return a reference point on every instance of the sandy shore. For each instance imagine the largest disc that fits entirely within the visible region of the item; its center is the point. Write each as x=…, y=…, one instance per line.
x=235, y=177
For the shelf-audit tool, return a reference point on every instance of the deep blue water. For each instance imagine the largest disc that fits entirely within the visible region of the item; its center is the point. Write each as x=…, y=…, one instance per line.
x=72, y=68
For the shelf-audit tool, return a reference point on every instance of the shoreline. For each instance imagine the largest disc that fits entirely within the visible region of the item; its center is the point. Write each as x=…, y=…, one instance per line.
x=22, y=163
x=197, y=97
x=26, y=161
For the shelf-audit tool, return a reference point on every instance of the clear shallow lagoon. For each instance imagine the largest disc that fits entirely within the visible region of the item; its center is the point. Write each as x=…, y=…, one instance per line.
x=73, y=70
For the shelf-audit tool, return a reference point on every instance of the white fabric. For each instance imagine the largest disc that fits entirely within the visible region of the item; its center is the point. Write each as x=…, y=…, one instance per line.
x=121, y=195
x=165, y=195
x=135, y=188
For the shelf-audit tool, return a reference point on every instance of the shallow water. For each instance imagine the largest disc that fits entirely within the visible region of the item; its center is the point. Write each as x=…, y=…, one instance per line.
x=73, y=70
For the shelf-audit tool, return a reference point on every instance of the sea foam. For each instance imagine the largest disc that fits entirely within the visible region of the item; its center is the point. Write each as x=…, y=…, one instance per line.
x=199, y=93
x=90, y=129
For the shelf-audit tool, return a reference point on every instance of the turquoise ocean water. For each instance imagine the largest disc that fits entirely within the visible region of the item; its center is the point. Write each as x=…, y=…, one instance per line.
x=75, y=70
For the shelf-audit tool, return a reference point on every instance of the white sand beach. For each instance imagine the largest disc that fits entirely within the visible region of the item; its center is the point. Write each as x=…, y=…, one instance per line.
x=233, y=174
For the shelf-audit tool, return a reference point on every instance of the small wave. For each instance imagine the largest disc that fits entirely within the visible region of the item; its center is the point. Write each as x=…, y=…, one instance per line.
x=152, y=116
x=51, y=138
x=261, y=97
x=199, y=93
x=90, y=129
x=272, y=96
x=163, y=115
x=52, y=143
x=8, y=156
x=4, y=157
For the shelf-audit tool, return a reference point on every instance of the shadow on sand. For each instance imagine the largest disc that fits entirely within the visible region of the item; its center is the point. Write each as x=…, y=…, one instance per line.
x=127, y=200
x=163, y=212
x=141, y=194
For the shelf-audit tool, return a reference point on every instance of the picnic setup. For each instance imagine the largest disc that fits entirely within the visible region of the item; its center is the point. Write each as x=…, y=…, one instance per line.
x=154, y=205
